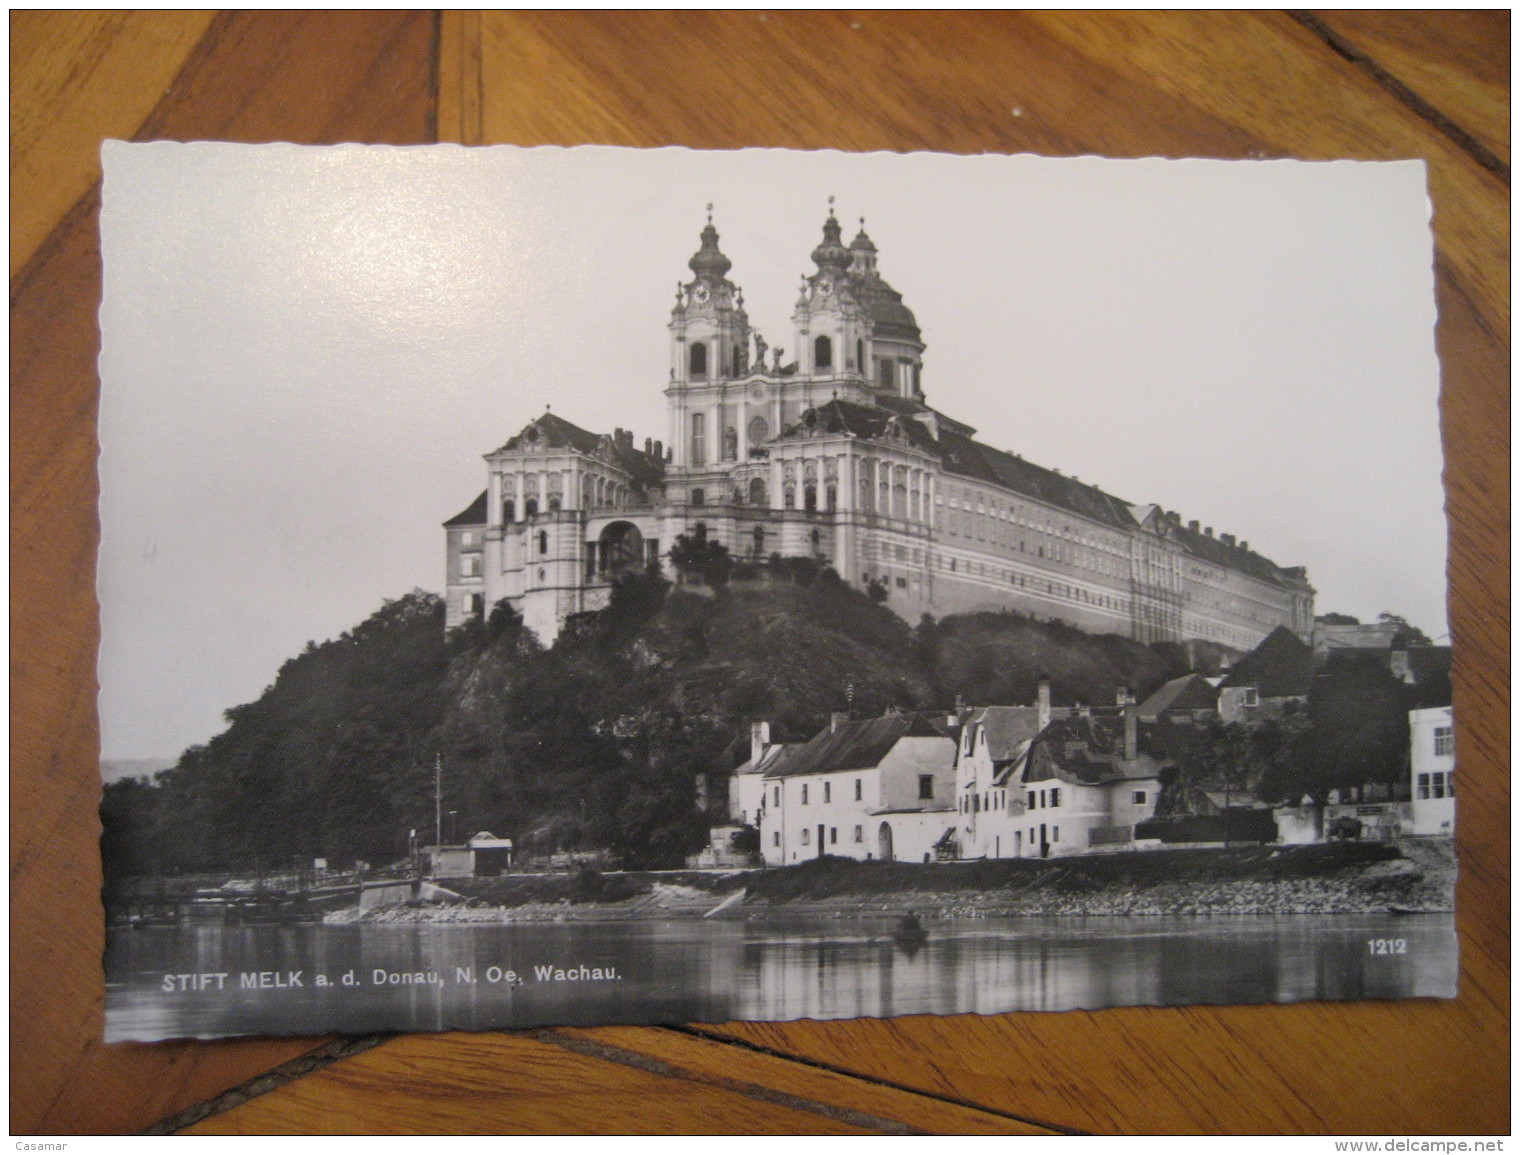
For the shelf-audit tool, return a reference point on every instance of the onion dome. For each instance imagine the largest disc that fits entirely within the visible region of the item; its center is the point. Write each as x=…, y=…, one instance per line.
x=862, y=243
x=709, y=262
x=831, y=253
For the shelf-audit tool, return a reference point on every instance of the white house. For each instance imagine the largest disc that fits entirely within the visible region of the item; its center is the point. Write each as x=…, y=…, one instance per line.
x=1432, y=768
x=878, y=789
x=1088, y=780
x=746, y=786
x=993, y=745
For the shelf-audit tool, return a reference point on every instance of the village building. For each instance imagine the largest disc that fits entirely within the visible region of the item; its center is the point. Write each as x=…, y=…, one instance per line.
x=1044, y=781
x=880, y=789
x=1269, y=682
x=1089, y=780
x=994, y=748
x=1432, y=771
x=1187, y=700
x=829, y=449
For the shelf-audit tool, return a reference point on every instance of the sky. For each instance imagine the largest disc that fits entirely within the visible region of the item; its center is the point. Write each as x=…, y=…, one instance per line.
x=306, y=351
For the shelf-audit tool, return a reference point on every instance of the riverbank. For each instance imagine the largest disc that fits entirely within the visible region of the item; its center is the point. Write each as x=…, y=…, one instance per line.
x=1409, y=875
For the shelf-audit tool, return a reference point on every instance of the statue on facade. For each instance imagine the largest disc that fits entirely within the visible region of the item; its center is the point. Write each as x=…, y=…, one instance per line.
x=760, y=348
x=730, y=443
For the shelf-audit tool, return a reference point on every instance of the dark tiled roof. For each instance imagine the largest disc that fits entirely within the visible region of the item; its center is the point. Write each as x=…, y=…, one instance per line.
x=971, y=458
x=1189, y=692
x=644, y=468
x=1236, y=557
x=1090, y=750
x=963, y=455
x=854, y=745
x=869, y=422
x=1008, y=728
x=554, y=432
x=1280, y=666
x=472, y=514
x=772, y=757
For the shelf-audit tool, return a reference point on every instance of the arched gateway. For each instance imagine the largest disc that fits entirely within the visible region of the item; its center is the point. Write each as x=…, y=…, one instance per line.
x=619, y=550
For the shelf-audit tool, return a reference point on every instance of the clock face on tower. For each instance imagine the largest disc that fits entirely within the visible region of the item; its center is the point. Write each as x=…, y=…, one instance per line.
x=699, y=294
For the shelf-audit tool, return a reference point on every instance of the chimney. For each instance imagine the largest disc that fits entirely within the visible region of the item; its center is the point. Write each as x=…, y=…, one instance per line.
x=1123, y=698
x=648, y=447
x=1245, y=545
x=1208, y=531
x=1227, y=538
x=759, y=739
x=837, y=719
x=659, y=448
x=1131, y=726
x=1193, y=525
x=1042, y=702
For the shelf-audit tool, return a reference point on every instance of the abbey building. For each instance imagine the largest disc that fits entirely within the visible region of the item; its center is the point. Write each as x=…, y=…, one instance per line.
x=829, y=449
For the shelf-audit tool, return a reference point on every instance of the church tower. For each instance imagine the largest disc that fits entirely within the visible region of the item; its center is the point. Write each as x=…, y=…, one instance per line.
x=831, y=329
x=852, y=328
x=709, y=351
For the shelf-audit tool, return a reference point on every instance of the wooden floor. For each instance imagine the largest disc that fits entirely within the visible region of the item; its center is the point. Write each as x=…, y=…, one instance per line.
x=1314, y=86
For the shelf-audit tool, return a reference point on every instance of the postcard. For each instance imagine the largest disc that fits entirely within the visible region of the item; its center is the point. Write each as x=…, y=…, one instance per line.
x=595, y=585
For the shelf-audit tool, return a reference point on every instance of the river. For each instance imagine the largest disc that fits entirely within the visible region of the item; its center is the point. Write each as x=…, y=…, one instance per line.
x=162, y=982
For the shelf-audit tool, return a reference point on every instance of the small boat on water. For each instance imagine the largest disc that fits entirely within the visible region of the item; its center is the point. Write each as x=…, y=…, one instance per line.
x=909, y=931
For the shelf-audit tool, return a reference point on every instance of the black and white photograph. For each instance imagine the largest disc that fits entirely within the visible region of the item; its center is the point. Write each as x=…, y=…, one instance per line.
x=575, y=586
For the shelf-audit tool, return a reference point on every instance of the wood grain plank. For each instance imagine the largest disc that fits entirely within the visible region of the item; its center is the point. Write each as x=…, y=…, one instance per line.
x=1272, y=78
x=257, y=76
x=511, y=1084
x=704, y=1056
x=1457, y=61
x=1307, y=1068
x=1213, y=84
x=77, y=78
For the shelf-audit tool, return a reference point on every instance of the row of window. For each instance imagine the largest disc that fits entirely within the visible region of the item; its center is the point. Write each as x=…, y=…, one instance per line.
x=925, y=791
x=1441, y=784
x=1033, y=799
x=807, y=836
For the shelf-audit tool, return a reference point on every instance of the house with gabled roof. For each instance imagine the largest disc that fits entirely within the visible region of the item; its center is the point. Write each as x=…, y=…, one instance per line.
x=1272, y=679
x=1190, y=698
x=1088, y=780
x=994, y=742
x=879, y=789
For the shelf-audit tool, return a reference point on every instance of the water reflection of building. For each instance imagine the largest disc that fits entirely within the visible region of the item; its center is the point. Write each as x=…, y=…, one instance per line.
x=831, y=450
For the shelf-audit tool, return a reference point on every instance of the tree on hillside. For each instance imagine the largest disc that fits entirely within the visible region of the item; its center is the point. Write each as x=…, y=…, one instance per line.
x=1404, y=633
x=698, y=559
x=1359, y=724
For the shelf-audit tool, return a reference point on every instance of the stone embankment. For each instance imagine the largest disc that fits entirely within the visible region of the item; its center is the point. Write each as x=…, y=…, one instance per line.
x=1417, y=875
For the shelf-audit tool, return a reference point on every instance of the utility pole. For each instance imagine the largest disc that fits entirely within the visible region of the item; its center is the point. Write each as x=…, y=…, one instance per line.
x=438, y=803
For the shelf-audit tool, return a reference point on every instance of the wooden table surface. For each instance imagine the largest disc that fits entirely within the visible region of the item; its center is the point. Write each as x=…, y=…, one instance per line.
x=1315, y=86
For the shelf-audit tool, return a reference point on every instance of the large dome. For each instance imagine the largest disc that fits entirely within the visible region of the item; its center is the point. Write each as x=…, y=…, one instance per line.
x=884, y=305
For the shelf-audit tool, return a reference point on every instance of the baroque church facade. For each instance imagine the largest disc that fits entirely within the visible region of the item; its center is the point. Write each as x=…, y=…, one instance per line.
x=833, y=452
